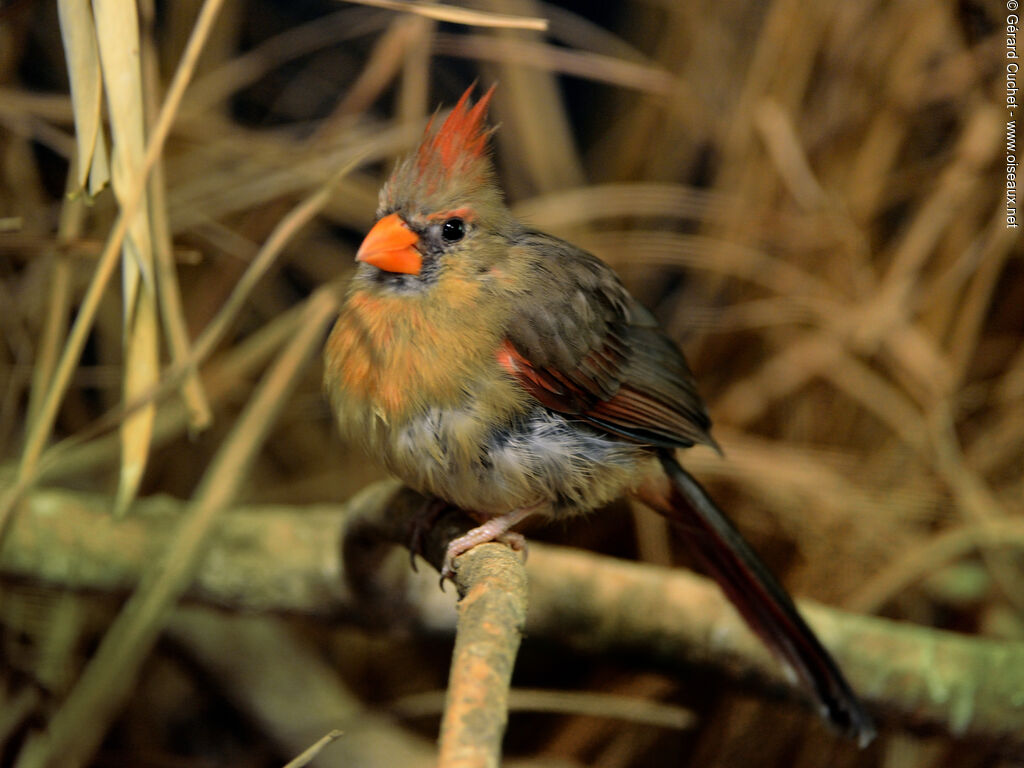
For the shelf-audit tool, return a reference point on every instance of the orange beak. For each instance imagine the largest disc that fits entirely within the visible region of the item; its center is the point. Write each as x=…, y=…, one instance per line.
x=389, y=246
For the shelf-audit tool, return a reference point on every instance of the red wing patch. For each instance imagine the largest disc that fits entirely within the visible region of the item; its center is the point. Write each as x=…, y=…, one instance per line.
x=550, y=388
x=629, y=412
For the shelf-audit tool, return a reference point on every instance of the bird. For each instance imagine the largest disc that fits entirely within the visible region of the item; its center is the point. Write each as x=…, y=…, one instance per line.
x=509, y=373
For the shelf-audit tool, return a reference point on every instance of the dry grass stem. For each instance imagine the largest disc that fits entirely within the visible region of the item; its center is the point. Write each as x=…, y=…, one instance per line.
x=308, y=755
x=172, y=311
x=76, y=730
x=131, y=203
x=456, y=15
x=117, y=38
x=931, y=557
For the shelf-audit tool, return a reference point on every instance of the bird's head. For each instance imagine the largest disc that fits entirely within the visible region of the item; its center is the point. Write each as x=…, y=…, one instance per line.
x=440, y=212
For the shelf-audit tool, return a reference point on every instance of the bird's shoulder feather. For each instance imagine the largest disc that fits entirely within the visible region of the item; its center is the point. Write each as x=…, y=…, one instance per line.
x=582, y=345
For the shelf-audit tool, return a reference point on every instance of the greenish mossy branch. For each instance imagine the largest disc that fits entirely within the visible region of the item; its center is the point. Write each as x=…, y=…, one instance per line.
x=340, y=562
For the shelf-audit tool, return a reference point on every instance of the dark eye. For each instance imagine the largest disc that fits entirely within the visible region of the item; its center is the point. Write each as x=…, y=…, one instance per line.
x=453, y=230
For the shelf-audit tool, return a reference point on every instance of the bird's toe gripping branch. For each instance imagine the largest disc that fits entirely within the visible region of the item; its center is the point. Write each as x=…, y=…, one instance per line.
x=492, y=529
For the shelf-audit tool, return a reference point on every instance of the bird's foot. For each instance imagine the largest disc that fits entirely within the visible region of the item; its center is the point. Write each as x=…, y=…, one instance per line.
x=493, y=529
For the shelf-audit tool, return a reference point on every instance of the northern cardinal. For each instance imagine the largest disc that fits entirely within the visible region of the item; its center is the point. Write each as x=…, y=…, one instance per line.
x=509, y=373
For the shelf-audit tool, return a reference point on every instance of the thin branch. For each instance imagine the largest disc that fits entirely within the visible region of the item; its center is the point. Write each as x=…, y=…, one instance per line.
x=492, y=611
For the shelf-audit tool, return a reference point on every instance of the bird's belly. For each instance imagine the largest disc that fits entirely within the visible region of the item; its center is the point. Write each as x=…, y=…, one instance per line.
x=540, y=457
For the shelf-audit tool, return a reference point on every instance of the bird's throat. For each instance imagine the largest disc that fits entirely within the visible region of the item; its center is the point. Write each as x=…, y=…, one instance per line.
x=391, y=354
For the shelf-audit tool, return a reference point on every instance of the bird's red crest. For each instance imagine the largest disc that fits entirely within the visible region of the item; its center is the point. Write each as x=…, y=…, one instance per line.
x=461, y=139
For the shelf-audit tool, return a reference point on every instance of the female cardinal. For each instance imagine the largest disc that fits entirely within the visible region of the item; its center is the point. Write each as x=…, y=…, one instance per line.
x=510, y=373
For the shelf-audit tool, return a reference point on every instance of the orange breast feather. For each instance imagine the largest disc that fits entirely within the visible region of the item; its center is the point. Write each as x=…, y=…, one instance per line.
x=393, y=353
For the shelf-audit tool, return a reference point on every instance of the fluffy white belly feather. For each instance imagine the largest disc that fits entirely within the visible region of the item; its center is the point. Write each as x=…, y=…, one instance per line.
x=539, y=458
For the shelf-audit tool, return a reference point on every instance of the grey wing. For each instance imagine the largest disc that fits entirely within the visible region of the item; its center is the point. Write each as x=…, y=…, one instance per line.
x=583, y=346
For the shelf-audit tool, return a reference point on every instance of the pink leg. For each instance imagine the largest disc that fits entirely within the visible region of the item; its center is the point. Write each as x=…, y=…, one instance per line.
x=493, y=529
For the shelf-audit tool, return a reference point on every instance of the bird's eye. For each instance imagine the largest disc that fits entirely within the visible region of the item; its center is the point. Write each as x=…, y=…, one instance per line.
x=453, y=230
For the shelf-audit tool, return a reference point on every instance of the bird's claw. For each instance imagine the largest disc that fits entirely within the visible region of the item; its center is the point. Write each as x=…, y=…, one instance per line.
x=448, y=566
x=447, y=573
x=421, y=523
x=516, y=542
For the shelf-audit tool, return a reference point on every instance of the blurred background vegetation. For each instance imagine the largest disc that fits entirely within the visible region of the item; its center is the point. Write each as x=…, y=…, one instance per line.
x=808, y=195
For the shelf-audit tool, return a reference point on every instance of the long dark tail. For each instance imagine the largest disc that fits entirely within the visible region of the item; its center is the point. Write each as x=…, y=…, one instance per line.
x=761, y=600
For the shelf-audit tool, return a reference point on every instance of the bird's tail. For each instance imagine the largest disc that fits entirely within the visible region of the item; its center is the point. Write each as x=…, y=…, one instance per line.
x=761, y=600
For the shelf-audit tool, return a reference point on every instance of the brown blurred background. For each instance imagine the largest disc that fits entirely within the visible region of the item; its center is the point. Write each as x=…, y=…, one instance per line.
x=808, y=195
